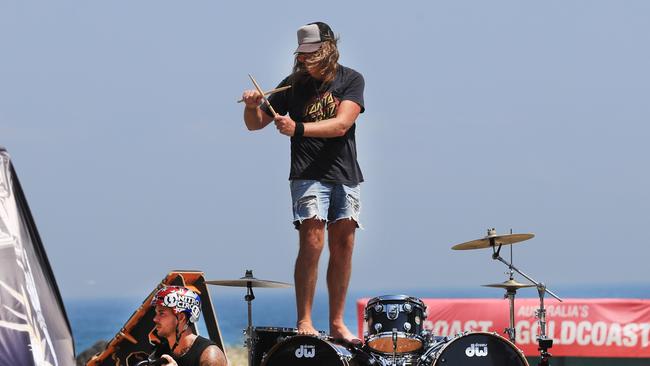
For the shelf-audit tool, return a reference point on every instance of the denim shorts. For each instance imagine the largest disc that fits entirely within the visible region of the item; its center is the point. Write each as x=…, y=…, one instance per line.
x=324, y=201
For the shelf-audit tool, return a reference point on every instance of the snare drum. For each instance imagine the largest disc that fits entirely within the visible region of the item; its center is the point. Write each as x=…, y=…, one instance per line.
x=395, y=320
x=473, y=349
x=263, y=339
x=314, y=351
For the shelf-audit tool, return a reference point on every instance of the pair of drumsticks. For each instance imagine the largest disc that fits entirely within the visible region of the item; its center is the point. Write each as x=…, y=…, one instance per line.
x=264, y=94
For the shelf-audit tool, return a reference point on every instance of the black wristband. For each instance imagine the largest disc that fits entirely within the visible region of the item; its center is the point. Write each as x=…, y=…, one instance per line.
x=300, y=129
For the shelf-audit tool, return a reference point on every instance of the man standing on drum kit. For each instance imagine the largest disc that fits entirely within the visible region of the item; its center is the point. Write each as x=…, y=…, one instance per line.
x=323, y=103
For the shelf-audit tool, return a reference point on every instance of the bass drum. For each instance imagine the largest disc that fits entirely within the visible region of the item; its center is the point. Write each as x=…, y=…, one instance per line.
x=473, y=349
x=263, y=339
x=313, y=351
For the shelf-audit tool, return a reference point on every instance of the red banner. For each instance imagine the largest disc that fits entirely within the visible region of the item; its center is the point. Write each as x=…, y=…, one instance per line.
x=578, y=327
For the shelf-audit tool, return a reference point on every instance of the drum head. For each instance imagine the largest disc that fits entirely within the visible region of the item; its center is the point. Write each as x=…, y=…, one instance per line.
x=395, y=298
x=384, y=343
x=479, y=349
x=307, y=350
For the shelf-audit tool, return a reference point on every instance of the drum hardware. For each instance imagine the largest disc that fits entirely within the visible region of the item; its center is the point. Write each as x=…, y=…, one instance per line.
x=404, y=359
x=511, y=286
x=494, y=241
x=249, y=282
x=542, y=340
x=394, y=345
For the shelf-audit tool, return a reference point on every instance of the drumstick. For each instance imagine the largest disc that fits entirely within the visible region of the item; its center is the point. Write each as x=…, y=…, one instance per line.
x=263, y=97
x=282, y=88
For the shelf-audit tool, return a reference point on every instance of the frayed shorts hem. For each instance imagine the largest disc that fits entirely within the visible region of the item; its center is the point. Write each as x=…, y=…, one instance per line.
x=328, y=202
x=297, y=223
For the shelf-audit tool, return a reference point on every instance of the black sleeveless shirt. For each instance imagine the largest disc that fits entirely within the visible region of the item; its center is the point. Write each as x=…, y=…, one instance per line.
x=193, y=356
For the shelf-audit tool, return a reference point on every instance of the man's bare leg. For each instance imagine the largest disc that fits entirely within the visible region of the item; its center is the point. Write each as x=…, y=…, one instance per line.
x=312, y=237
x=341, y=245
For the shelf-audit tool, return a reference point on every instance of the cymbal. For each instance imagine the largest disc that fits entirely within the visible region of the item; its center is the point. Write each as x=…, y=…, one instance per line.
x=246, y=280
x=510, y=285
x=492, y=239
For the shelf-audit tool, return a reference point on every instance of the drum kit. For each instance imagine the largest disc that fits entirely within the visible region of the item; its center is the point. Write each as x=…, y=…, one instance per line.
x=395, y=334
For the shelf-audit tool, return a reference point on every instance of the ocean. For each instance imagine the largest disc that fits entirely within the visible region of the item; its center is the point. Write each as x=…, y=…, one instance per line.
x=98, y=319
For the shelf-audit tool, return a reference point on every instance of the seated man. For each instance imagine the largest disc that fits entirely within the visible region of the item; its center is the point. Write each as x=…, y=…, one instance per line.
x=176, y=307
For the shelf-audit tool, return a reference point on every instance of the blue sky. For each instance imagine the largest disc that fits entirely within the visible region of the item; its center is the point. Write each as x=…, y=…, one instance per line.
x=121, y=120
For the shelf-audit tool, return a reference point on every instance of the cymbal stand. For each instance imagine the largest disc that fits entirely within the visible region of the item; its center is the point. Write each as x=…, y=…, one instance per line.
x=511, y=331
x=496, y=256
x=544, y=342
x=249, y=297
x=510, y=295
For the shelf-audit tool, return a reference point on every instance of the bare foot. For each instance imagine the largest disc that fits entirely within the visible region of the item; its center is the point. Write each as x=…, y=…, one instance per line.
x=342, y=332
x=306, y=328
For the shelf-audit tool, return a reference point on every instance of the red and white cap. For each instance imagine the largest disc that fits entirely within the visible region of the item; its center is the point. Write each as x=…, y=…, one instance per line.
x=180, y=300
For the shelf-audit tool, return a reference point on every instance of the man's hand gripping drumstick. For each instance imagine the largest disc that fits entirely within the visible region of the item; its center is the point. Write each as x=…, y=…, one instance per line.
x=272, y=91
x=259, y=90
x=255, y=119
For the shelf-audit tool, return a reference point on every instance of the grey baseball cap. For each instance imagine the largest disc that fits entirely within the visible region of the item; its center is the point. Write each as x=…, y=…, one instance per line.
x=312, y=35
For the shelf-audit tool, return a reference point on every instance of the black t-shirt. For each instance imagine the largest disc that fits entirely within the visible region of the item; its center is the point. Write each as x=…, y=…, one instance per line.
x=309, y=101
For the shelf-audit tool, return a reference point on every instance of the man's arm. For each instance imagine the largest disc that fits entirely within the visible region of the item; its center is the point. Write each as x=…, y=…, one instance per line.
x=346, y=115
x=213, y=356
x=254, y=117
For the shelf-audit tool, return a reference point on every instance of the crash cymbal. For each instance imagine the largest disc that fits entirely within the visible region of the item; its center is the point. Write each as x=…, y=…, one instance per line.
x=492, y=239
x=510, y=285
x=246, y=280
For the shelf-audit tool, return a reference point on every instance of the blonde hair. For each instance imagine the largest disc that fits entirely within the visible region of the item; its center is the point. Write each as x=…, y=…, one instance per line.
x=324, y=62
